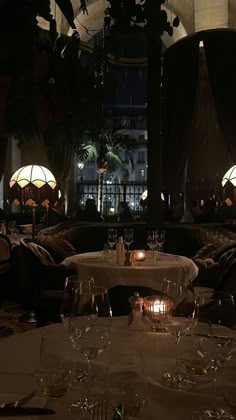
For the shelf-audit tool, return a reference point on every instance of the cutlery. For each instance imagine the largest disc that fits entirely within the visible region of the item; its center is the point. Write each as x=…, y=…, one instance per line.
x=118, y=412
x=100, y=411
x=217, y=337
x=25, y=411
x=20, y=402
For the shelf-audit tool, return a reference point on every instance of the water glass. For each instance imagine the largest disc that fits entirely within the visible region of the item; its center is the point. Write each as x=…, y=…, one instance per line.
x=152, y=240
x=72, y=284
x=229, y=389
x=161, y=239
x=128, y=237
x=127, y=384
x=56, y=369
x=3, y=228
x=107, y=253
x=195, y=352
x=12, y=226
x=127, y=390
x=112, y=236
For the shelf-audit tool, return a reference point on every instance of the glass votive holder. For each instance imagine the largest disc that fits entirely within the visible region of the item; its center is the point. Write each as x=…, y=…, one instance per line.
x=107, y=252
x=139, y=255
x=55, y=372
x=157, y=309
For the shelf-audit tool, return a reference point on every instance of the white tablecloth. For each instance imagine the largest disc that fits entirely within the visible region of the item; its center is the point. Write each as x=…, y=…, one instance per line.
x=152, y=352
x=150, y=273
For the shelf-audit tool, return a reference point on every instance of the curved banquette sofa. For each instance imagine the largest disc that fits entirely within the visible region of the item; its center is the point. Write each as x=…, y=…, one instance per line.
x=71, y=237
x=212, y=247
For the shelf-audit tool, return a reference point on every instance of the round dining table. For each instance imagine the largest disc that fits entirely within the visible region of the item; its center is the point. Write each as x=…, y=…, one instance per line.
x=150, y=353
x=150, y=273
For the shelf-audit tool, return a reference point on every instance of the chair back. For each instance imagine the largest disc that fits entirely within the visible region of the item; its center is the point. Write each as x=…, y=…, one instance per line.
x=32, y=261
x=5, y=249
x=36, y=251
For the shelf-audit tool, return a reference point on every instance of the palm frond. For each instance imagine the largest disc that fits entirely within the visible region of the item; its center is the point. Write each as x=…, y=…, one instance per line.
x=81, y=151
x=113, y=159
x=91, y=151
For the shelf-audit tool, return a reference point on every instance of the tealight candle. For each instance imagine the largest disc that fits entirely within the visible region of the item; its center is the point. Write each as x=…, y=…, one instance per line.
x=156, y=308
x=139, y=255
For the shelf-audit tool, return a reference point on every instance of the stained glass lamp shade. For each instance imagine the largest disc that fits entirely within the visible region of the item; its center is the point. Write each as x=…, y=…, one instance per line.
x=33, y=182
x=230, y=176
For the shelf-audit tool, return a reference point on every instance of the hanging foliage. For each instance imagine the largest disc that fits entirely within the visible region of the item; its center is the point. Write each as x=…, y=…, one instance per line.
x=129, y=15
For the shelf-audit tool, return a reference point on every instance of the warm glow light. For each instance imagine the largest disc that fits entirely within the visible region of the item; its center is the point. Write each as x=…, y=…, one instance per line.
x=145, y=194
x=230, y=176
x=35, y=174
x=157, y=307
x=139, y=255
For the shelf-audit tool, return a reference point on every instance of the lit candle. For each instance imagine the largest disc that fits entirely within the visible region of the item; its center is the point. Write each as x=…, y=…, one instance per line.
x=157, y=307
x=139, y=255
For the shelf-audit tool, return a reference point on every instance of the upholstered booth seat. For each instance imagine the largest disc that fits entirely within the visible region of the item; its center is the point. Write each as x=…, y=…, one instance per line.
x=48, y=307
x=38, y=273
x=5, y=265
x=202, y=243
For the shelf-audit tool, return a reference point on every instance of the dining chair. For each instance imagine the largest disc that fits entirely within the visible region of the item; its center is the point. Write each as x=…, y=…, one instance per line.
x=38, y=273
x=5, y=264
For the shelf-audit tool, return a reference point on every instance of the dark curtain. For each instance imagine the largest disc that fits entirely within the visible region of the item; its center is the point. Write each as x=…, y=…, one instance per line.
x=180, y=74
x=3, y=154
x=59, y=152
x=204, y=174
x=220, y=49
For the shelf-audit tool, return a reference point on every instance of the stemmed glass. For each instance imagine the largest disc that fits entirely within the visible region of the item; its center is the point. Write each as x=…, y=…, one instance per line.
x=3, y=229
x=127, y=386
x=112, y=235
x=89, y=332
x=152, y=240
x=182, y=321
x=160, y=239
x=221, y=312
x=12, y=226
x=195, y=357
x=72, y=284
x=128, y=237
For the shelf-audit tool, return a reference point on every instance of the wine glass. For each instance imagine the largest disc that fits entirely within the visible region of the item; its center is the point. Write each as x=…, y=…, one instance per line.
x=128, y=237
x=89, y=332
x=229, y=393
x=112, y=235
x=127, y=386
x=152, y=240
x=182, y=321
x=195, y=356
x=3, y=228
x=12, y=226
x=220, y=309
x=72, y=284
x=160, y=239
